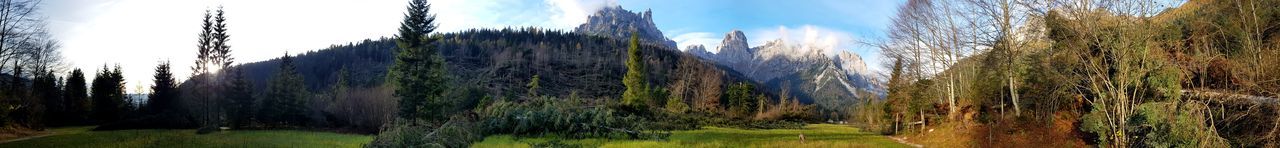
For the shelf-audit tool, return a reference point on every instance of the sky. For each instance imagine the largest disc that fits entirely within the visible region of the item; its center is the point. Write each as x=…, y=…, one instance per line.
x=139, y=34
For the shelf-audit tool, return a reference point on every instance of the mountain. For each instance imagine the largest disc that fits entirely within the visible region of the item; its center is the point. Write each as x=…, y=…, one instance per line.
x=804, y=70
x=618, y=23
x=734, y=51
x=699, y=51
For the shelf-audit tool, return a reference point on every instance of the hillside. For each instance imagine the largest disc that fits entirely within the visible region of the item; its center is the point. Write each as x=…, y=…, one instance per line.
x=500, y=61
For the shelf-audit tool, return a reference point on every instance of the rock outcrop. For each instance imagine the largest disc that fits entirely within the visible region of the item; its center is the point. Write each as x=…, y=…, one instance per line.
x=619, y=23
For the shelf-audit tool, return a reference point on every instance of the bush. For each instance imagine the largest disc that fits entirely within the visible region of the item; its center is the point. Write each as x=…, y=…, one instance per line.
x=1175, y=125
x=459, y=131
x=566, y=117
x=404, y=133
x=1163, y=124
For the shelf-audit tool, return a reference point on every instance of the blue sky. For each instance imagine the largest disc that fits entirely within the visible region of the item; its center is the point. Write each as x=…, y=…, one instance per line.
x=138, y=34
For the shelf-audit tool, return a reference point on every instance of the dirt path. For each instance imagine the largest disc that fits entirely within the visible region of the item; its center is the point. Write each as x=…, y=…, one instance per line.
x=904, y=141
x=28, y=137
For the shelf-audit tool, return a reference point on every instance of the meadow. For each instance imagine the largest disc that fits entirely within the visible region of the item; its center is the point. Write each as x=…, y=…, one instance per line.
x=816, y=135
x=83, y=137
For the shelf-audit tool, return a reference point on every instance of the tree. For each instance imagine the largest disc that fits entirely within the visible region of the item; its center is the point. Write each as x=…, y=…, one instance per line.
x=212, y=59
x=45, y=87
x=285, y=103
x=533, y=87
x=1114, y=48
x=637, y=85
x=240, y=95
x=709, y=89
x=164, y=91
x=419, y=72
x=109, y=102
x=740, y=99
x=76, y=96
x=21, y=30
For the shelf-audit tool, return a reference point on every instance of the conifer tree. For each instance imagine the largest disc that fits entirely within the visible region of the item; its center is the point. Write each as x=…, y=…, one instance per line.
x=240, y=95
x=109, y=103
x=634, y=80
x=212, y=59
x=77, y=99
x=45, y=87
x=419, y=72
x=285, y=103
x=164, y=91
x=533, y=87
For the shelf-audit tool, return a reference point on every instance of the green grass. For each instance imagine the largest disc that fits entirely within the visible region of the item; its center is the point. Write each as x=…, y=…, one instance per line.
x=816, y=135
x=82, y=137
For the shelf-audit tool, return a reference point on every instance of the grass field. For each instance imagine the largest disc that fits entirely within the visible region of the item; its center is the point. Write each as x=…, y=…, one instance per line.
x=816, y=135
x=82, y=137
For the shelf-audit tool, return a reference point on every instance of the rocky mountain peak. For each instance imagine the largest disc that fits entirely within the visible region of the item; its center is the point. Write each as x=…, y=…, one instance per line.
x=851, y=63
x=699, y=50
x=619, y=23
x=734, y=47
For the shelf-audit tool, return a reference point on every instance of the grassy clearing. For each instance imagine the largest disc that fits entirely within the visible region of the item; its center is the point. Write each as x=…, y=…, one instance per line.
x=82, y=137
x=816, y=135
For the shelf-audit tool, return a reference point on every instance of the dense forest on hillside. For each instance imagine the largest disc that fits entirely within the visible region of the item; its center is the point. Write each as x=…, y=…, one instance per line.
x=502, y=61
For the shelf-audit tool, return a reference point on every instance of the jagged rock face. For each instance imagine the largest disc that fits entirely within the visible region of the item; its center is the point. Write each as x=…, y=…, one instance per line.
x=802, y=68
x=776, y=59
x=619, y=23
x=700, y=51
x=852, y=63
x=734, y=51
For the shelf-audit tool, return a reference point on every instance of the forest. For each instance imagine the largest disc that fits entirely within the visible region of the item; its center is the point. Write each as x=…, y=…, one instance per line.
x=961, y=73
x=1107, y=73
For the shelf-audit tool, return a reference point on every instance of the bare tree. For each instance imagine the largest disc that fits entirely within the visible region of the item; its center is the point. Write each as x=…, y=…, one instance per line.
x=21, y=30
x=933, y=36
x=1113, y=39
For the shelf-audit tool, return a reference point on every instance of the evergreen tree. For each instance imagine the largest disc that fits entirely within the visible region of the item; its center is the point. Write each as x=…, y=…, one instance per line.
x=419, y=72
x=164, y=91
x=285, y=103
x=77, y=99
x=109, y=102
x=533, y=87
x=212, y=59
x=240, y=95
x=635, y=81
x=45, y=87
x=739, y=98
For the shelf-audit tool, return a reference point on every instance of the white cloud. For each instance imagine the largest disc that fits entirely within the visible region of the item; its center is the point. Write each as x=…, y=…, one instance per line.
x=571, y=13
x=706, y=39
x=829, y=40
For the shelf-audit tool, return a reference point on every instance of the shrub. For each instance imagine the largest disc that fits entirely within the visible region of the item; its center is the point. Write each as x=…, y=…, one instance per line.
x=404, y=133
x=459, y=131
x=567, y=117
x=1168, y=124
x=1162, y=124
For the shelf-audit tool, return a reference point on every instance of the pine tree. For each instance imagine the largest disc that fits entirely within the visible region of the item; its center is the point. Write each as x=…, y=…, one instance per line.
x=419, y=72
x=45, y=87
x=109, y=103
x=285, y=103
x=636, y=83
x=212, y=58
x=164, y=91
x=240, y=95
x=77, y=99
x=533, y=87
x=761, y=102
